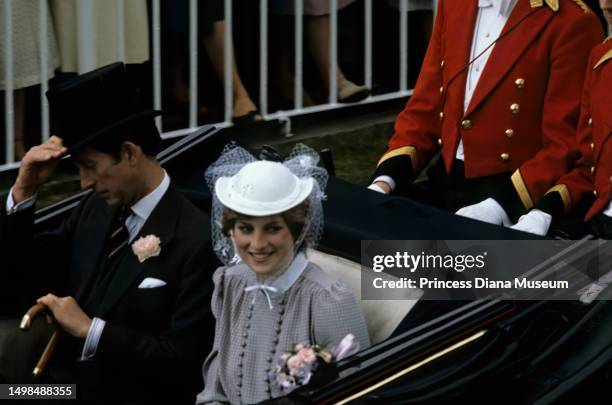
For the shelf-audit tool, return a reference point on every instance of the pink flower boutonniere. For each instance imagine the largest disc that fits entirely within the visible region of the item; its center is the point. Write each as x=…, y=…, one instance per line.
x=146, y=247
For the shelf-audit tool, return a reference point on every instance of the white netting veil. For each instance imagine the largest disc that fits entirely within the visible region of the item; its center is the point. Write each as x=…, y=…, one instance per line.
x=230, y=183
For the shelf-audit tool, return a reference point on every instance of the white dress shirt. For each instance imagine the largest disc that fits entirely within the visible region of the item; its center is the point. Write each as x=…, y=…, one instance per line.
x=492, y=16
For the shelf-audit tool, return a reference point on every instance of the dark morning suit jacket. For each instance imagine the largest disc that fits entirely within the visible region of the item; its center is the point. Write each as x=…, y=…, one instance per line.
x=155, y=339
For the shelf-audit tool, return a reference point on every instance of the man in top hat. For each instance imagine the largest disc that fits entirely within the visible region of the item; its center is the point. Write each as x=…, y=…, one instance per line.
x=127, y=275
x=498, y=98
x=590, y=180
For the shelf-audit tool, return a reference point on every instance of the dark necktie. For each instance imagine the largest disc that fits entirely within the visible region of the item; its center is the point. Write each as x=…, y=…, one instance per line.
x=119, y=236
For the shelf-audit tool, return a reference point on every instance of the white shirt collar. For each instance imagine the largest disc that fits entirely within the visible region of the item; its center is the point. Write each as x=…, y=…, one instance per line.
x=278, y=285
x=143, y=207
x=504, y=7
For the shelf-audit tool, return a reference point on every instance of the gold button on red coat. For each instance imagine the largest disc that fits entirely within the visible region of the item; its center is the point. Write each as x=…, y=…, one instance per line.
x=509, y=133
x=515, y=108
x=505, y=157
x=595, y=193
x=466, y=124
x=441, y=116
x=590, y=121
x=592, y=146
x=520, y=82
x=592, y=169
x=439, y=141
x=610, y=179
x=442, y=64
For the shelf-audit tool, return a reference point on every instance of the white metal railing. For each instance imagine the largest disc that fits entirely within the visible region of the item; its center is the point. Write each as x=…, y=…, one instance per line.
x=86, y=59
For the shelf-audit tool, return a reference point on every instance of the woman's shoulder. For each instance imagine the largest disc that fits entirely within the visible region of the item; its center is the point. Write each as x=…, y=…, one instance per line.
x=319, y=282
x=231, y=275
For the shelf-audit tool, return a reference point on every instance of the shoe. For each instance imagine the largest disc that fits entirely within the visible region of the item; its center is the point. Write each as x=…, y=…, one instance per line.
x=349, y=92
x=247, y=119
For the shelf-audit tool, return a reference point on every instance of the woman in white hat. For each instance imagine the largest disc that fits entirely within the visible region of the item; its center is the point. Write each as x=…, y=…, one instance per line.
x=268, y=297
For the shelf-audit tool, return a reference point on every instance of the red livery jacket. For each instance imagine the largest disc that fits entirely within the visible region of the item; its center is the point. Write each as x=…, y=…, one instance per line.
x=592, y=173
x=523, y=114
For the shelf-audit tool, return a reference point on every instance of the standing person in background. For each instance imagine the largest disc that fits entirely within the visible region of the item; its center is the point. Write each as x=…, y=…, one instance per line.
x=498, y=98
x=211, y=29
x=318, y=41
x=590, y=181
x=105, y=29
x=26, y=49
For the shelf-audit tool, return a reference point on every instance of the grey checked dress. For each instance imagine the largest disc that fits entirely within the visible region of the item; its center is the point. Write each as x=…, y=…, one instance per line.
x=256, y=326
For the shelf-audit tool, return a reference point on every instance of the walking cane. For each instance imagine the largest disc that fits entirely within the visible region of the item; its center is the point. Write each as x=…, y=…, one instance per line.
x=26, y=321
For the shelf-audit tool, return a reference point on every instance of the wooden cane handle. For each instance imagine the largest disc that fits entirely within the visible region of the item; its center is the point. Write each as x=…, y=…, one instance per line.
x=46, y=356
x=32, y=313
x=26, y=322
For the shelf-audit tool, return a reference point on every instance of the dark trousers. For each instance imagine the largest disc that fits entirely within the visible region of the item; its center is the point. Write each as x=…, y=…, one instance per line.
x=601, y=226
x=453, y=191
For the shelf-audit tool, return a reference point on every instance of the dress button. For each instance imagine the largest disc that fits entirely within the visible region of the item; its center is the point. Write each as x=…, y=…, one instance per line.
x=248, y=326
x=241, y=354
x=515, y=108
x=244, y=344
x=466, y=124
x=595, y=193
x=281, y=311
x=442, y=64
x=509, y=133
x=441, y=89
x=505, y=157
x=439, y=141
x=590, y=121
x=441, y=115
x=269, y=359
x=520, y=82
x=249, y=315
x=273, y=351
x=592, y=169
x=592, y=145
x=246, y=335
x=610, y=179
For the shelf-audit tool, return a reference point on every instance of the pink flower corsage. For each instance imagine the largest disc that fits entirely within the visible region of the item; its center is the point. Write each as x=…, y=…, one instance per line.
x=297, y=368
x=146, y=247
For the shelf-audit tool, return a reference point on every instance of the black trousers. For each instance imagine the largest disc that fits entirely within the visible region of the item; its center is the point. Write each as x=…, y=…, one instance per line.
x=601, y=226
x=453, y=191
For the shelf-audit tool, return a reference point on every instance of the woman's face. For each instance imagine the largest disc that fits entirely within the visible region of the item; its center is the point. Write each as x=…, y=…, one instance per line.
x=265, y=244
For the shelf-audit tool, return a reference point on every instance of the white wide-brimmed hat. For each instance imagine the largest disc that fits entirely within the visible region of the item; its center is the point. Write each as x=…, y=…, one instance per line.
x=262, y=188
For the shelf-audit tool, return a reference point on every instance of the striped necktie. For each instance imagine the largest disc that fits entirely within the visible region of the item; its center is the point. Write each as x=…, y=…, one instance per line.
x=119, y=236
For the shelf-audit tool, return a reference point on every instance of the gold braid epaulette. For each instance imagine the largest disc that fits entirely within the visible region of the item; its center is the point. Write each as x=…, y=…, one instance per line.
x=554, y=4
x=583, y=6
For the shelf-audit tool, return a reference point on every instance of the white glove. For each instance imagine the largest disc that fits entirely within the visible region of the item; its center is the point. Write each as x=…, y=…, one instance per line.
x=535, y=221
x=488, y=210
x=385, y=179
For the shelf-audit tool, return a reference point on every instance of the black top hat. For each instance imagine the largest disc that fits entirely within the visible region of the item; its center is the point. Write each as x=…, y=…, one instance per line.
x=101, y=102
